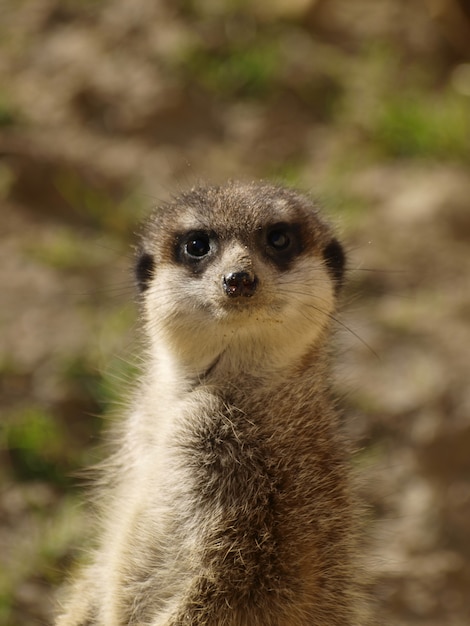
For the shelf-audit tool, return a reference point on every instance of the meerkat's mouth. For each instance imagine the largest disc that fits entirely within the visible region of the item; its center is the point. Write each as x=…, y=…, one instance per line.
x=243, y=309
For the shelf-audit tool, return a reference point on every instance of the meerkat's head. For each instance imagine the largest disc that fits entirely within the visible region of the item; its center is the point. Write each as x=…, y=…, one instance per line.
x=243, y=274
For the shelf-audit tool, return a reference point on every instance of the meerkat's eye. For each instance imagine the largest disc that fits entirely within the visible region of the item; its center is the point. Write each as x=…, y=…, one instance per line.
x=279, y=239
x=282, y=243
x=197, y=245
x=194, y=248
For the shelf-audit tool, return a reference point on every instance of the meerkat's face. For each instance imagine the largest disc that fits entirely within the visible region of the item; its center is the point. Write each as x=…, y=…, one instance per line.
x=246, y=271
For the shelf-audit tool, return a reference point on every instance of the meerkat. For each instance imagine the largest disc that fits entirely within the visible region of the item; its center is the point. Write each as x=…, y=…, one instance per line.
x=229, y=500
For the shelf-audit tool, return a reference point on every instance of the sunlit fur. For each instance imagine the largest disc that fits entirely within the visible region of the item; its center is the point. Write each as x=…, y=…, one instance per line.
x=228, y=501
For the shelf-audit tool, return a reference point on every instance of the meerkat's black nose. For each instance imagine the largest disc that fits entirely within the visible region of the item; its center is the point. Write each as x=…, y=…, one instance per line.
x=238, y=284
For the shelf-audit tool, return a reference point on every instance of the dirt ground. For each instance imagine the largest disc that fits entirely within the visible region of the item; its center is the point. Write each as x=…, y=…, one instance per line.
x=108, y=107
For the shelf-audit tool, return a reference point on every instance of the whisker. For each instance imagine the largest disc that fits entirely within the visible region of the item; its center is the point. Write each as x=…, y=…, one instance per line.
x=376, y=270
x=334, y=319
x=356, y=335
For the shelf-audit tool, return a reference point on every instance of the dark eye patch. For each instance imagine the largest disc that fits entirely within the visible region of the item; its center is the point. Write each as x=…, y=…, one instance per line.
x=282, y=243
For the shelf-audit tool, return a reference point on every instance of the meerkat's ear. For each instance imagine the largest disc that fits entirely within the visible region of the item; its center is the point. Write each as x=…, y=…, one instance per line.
x=144, y=269
x=335, y=260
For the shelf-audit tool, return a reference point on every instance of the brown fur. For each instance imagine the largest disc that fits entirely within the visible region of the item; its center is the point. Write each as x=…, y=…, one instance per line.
x=230, y=501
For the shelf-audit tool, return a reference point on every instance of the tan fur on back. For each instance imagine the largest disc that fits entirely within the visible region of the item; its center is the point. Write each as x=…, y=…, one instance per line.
x=229, y=500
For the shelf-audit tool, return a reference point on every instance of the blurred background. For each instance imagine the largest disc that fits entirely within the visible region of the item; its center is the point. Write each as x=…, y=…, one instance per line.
x=107, y=107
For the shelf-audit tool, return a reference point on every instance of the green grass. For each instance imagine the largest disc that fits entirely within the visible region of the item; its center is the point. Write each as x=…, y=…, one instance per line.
x=424, y=125
x=35, y=442
x=6, y=180
x=111, y=211
x=64, y=251
x=8, y=114
x=239, y=69
x=286, y=172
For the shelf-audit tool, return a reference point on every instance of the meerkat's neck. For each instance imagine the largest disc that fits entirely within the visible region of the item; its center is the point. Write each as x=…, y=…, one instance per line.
x=261, y=362
x=300, y=386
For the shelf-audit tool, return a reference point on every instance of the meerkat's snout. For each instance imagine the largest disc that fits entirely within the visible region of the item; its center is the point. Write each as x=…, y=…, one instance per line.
x=240, y=284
